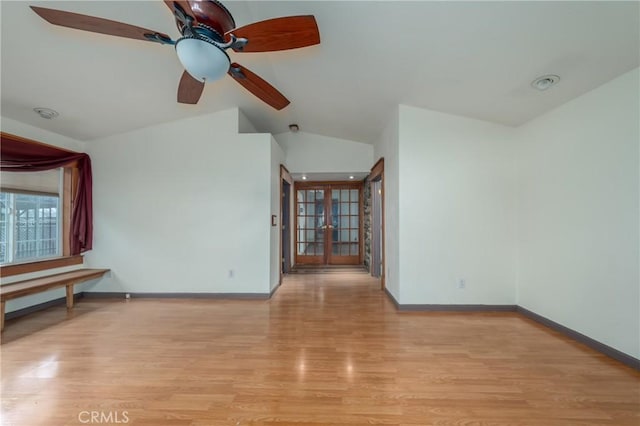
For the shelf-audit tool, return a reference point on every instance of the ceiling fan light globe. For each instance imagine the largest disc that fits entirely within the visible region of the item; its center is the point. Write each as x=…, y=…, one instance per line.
x=202, y=59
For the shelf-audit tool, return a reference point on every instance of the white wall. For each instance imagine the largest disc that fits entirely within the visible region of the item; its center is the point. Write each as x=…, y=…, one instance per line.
x=457, y=210
x=244, y=124
x=387, y=147
x=183, y=207
x=277, y=158
x=17, y=128
x=578, y=210
x=311, y=153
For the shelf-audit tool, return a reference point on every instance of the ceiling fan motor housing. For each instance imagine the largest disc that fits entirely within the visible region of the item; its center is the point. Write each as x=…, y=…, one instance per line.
x=212, y=14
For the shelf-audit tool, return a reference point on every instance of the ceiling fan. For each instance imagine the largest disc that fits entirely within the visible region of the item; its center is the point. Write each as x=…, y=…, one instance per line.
x=208, y=30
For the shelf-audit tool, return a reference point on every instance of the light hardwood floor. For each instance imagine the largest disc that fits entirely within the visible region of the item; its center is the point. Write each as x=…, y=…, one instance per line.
x=326, y=349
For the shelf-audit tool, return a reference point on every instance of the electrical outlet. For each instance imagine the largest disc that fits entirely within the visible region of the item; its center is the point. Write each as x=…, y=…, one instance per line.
x=231, y=273
x=462, y=284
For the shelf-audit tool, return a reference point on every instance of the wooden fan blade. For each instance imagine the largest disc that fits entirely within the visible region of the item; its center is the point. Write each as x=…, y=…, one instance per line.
x=258, y=86
x=189, y=89
x=290, y=32
x=93, y=24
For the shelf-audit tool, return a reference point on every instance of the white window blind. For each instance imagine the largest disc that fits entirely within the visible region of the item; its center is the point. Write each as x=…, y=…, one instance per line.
x=47, y=182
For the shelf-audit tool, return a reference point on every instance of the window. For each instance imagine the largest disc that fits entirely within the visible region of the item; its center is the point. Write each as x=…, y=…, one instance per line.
x=31, y=218
x=55, y=231
x=29, y=226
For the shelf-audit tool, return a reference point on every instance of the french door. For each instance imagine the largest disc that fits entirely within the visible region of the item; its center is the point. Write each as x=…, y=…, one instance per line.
x=328, y=223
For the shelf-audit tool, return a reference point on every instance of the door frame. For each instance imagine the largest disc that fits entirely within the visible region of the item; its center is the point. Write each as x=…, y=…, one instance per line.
x=327, y=186
x=377, y=173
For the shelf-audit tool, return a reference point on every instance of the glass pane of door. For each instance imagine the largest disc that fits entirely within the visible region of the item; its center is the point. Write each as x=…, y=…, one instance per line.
x=345, y=226
x=311, y=221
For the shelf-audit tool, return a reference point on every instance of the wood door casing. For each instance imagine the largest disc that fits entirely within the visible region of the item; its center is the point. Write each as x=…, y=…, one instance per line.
x=340, y=235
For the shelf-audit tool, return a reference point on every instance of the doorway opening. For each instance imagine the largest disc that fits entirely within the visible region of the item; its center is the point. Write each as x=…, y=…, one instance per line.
x=286, y=187
x=286, y=234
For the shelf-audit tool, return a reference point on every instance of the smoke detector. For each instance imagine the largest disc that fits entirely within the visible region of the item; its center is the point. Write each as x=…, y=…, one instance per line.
x=46, y=113
x=544, y=82
x=294, y=128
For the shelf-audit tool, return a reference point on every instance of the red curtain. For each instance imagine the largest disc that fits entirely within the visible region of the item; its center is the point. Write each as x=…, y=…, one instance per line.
x=20, y=155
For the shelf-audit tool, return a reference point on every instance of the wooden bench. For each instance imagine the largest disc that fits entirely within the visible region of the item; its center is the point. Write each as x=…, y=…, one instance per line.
x=40, y=284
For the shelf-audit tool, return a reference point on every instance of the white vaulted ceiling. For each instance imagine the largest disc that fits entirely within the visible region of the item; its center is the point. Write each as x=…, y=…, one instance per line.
x=475, y=59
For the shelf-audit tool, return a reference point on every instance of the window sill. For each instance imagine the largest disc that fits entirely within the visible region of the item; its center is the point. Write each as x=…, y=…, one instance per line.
x=41, y=265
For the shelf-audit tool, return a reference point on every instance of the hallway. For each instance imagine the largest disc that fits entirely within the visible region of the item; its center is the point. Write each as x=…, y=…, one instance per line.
x=328, y=348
